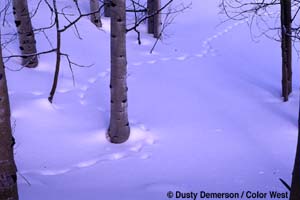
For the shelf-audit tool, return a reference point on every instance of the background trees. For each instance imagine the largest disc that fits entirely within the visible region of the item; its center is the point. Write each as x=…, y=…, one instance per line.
x=154, y=21
x=286, y=47
x=260, y=13
x=27, y=43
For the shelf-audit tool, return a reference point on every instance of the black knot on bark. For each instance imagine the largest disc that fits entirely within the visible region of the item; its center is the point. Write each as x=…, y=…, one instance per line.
x=14, y=178
x=13, y=142
x=18, y=23
x=29, y=34
x=112, y=4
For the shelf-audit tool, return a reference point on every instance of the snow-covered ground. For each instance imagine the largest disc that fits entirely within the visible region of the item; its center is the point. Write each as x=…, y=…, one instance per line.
x=205, y=114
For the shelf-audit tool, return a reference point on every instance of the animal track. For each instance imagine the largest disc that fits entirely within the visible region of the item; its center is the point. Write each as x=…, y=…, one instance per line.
x=140, y=138
x=140, y=134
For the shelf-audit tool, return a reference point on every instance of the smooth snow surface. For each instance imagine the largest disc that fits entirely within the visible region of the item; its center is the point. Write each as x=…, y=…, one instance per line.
x=205, y=113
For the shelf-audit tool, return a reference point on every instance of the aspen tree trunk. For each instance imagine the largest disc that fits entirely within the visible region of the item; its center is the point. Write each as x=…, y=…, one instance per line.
x=107, y=8
x=157, y=19
x=150, y=11
x=8, y=177
x=295, y=187
x=95, y=18
x=154, y=22
x=286, y=48
x=25, y=33
x=119, y=130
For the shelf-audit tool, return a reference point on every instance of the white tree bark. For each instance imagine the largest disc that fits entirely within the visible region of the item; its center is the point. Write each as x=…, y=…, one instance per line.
x=95, y=18
x=26, y=36
x=119, y=129
x=8, y=178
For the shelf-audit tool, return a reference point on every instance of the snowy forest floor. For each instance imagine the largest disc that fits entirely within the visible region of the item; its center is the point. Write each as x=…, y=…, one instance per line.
x=205, y=113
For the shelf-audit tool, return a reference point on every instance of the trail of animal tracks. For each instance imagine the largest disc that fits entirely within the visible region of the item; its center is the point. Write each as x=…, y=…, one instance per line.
x=204, y=108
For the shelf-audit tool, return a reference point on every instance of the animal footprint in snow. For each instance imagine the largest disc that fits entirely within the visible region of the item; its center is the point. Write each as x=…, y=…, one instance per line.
x=92, y=80
x=220, y=33
x=151, y=61
x=37, y=93
x=102, y=74
x=181, y=58
x=145, y=156
x=84, y=88
x=81, y=95
x=63, y=90
x=82, y=102
x=87, y=163
x=165, y=59
x=204, y=52
x=137, y=63
x=136, y=148
x=143, y=127
x=117, y=156
x=53, y=172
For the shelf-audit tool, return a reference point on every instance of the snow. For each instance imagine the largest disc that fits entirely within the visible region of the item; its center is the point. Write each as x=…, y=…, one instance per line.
x=205, y=113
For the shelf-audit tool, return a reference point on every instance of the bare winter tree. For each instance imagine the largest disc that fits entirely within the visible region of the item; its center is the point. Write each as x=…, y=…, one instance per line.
x=153, y=11
x=8, y=177
x=257, y=11
x=59, y=30
x=150, y=10
x=154, y=21
x=286, y=47
x=25, y=32
x=95, y=18
x=157, y=18
x=119, y=130
x=72, y=20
